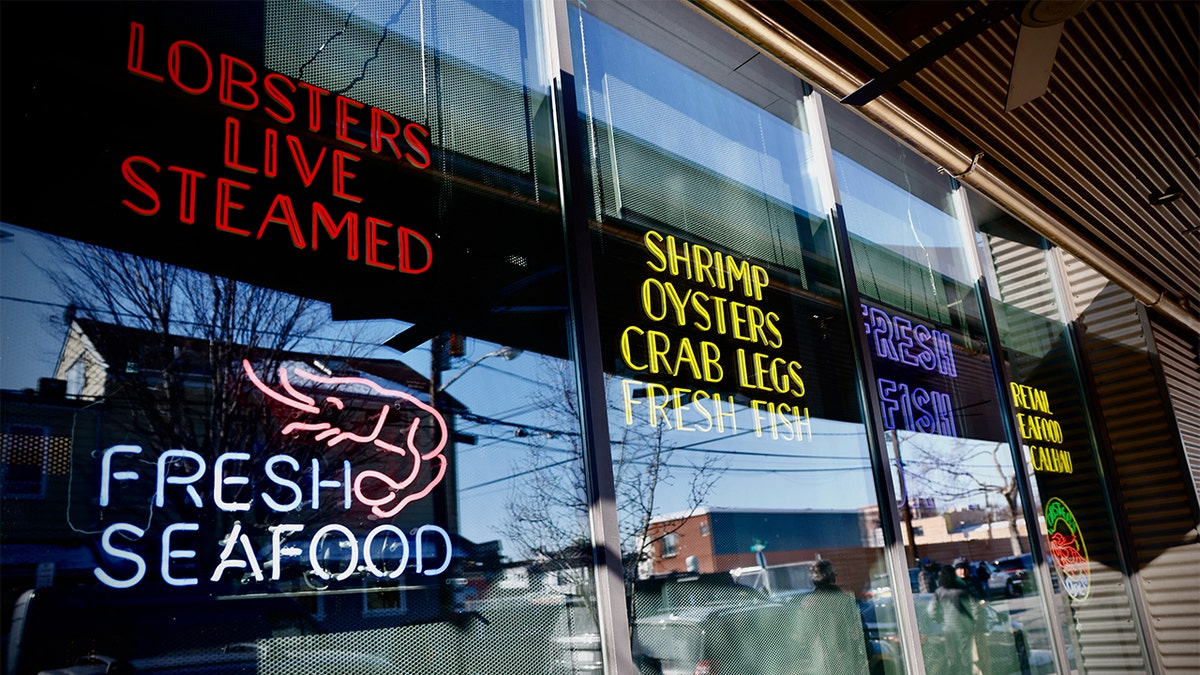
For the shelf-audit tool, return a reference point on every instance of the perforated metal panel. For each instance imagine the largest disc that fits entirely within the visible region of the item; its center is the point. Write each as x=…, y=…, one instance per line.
x=415, y=61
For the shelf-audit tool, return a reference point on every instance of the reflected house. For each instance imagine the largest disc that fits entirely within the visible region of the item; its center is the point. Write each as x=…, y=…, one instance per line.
x=45, y=443
x=121, y=386
x=566, y=573
x=944, y=536
x=721, y=539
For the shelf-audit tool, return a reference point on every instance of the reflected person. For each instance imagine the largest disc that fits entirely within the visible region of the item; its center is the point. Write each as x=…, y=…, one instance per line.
x=830, y=626
x=954, y=608
x=927, y=578
x=971, y=580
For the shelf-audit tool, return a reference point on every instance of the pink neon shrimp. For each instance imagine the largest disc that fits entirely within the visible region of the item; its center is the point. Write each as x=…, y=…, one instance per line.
x=392, y=502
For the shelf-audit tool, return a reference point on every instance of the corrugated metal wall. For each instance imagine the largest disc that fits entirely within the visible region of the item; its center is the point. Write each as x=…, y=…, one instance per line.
x=1180, y=357
x=1178, y=625
x=1155, y=493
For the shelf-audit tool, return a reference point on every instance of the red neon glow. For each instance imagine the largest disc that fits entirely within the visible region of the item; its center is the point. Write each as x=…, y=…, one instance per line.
x=270, y=153
x=340, y=175
x=299, y=404
x=378, y=135
x=174, y=66
x=137, y=44
x=225, y=203
x=286, y=216
x=418, y=145
x=306, y=174
x=406, y=237
x=390, y=502
x=1066, y=553
x=314, y=105
x=349, y=222
x=232, y=150
x=241, y=86
x=140, y=185
x=344, y=120
x=293, y=392
x=278, y=96
x=228, y=83
x=304, y=426
x=374, y=241
x=358, y=438
x=326, y=434
x=187, y=192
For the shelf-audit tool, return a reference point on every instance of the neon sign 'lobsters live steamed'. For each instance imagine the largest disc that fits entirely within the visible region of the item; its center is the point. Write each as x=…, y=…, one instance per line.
x=290, y=487
x=163, y=187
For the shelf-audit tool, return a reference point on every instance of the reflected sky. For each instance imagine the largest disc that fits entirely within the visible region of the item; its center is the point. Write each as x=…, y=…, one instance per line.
x=645, y=94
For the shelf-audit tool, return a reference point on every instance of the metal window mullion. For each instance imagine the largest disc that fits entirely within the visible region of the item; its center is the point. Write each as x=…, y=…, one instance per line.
x=584, y=339
x=1008, y=416
x=889, y=515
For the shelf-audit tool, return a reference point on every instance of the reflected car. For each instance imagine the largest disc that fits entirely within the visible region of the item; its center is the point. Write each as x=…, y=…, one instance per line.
x=1008, y=648
x=1007, y=581
x=689, y=624
x=788, y=582
x=708, y=624
x=1019, y=571
x=880, y=585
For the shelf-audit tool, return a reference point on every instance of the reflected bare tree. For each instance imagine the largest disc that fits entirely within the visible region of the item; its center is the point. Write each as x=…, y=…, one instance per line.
x=178, y=317
x=949, y=469
x=548, y=512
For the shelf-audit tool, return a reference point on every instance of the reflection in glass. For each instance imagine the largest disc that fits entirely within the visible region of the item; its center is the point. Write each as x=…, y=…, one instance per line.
x=238, y=478
x=960, y=510
x=743, y=478
x=1087, y=574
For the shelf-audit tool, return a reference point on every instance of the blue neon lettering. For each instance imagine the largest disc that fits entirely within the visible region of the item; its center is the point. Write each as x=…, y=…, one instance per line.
x=909, y=343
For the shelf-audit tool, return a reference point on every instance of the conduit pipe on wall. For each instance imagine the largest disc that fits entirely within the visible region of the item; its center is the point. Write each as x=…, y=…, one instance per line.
x=826, y=75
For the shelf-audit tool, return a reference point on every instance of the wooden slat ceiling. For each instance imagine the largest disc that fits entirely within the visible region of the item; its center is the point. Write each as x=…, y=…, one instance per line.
x=1119, y=121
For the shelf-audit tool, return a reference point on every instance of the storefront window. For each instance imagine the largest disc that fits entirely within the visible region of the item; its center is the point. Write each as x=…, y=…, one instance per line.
x=283, y=299
x=748, y=513
x=960, y=509
x=1090, y=586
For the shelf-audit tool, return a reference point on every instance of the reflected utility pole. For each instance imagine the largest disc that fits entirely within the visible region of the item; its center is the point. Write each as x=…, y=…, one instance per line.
x=907, y=508
x=440, y=361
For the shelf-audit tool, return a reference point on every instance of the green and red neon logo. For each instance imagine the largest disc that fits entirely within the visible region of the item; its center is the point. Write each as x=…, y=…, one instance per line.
x=1068, y=550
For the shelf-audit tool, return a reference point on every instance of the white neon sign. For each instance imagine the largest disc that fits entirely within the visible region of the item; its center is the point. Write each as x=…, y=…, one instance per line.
x=333, y=551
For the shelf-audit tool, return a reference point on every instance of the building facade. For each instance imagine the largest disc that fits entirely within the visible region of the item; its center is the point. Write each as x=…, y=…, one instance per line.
x=456, y=336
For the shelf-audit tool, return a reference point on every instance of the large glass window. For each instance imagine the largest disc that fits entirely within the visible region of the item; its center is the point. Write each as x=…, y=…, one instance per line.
x=743, y=477
x=283, y=300
x=1087, y=574
x=961, y=512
